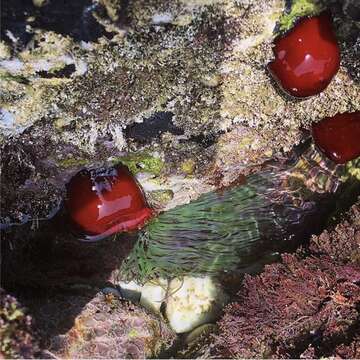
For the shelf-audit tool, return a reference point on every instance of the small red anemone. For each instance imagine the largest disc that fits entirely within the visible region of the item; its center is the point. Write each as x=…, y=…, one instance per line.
x=339, y=136
x=107, y=201
x=307, y=57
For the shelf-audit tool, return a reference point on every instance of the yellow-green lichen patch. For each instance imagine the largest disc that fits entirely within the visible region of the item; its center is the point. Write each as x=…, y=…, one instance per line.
x=133, y=333
x=353, y=169
x=188, y=166
x=72, y=162
x=299, y=8
x=160, y=198
x=30, y=103
x=141, y=162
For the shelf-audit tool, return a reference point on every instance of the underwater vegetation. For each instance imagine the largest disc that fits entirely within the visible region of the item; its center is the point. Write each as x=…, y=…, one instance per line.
x=105, y=201
x=307, y=306
x=307, y=57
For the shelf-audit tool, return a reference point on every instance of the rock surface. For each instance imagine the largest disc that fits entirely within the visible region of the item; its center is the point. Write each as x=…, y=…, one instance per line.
x=177, y=91
x=79, y=326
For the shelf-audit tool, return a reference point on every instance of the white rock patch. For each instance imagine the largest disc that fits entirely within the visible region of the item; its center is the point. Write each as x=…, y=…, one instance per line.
x=153, y=294
x=193, y=301
x=163, y=18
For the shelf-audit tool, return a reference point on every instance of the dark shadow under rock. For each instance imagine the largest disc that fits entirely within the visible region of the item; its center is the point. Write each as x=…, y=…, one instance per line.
x=52, y=257
x=73, y=18
x=153, y=127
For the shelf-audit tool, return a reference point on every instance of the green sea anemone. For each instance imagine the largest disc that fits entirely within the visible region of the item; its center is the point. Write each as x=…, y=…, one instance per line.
x=239, y=228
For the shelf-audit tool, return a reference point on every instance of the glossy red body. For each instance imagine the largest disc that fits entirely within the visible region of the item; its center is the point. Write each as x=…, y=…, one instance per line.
x=307, y=57
x=101, y=203
x=339, y=136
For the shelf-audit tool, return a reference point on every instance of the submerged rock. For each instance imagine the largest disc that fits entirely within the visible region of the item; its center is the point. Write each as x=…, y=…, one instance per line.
x=192, y=302
x=153, y=294
x=75, y=326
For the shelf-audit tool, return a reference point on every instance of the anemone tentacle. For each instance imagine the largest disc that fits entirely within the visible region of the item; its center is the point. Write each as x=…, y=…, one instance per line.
x=236, y=228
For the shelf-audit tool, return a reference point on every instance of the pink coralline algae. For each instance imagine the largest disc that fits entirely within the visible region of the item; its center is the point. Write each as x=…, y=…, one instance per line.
x=304, y=306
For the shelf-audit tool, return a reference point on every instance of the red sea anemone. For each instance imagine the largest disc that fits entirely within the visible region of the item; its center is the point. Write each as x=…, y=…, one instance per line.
x=307, y=57
x=339, y=136
x=107, y=201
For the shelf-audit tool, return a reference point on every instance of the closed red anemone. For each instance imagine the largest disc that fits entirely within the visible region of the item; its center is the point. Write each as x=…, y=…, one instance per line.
x=107, y=201
x=339, y=136
x=307, y=57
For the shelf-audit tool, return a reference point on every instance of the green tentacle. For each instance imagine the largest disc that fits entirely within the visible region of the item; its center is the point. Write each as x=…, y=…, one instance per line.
x=235, y=228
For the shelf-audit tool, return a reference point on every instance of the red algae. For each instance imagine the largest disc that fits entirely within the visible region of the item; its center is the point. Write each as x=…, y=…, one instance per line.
x=339, y=136
x=104, y=202
x=307, y=57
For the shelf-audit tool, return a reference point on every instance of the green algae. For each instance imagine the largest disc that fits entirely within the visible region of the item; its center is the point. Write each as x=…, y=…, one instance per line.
x=141, y=162
x=299, y=8
x=237, y=228
x=6, y=76
x=353, y=169
x=188, y=166
x=161, y=197
x=72, y=162
x=212, y=234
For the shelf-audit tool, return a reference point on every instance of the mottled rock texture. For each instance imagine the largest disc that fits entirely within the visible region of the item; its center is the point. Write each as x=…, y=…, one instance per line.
x=97, y=326
x=306, y=306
